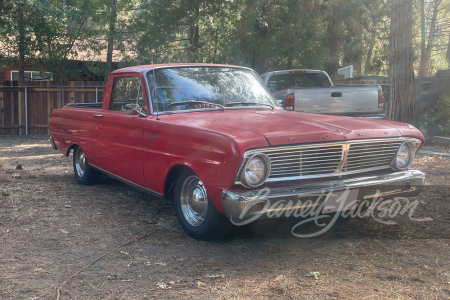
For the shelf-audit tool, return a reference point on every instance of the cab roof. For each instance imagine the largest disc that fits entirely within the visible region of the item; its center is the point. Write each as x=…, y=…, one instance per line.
x=144, y=68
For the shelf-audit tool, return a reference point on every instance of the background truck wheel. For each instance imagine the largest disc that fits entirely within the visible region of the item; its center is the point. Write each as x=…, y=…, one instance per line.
x=84, y=173
x=196, y=212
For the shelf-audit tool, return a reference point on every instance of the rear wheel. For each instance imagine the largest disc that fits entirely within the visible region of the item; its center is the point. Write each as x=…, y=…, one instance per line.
x=196, y=212
x=84, y=173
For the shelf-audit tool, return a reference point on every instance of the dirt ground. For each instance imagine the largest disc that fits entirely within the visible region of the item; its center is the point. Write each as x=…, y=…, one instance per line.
x=50, y=228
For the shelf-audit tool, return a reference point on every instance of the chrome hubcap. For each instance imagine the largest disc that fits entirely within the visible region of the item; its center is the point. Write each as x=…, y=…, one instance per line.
x=80, y=162
x=194, y=201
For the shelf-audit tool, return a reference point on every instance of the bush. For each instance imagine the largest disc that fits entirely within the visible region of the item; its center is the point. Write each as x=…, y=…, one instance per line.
x=437, y=119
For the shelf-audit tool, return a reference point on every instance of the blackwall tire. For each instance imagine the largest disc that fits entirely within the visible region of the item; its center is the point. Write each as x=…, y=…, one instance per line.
x=84, y=173
x=197, y=214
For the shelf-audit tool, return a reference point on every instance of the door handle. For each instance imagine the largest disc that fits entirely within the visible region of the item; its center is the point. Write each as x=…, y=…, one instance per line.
x=336, y=94
x=97, y=116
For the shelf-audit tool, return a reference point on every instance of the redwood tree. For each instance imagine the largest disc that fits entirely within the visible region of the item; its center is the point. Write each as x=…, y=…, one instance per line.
x=448, y=52
x=401, y=70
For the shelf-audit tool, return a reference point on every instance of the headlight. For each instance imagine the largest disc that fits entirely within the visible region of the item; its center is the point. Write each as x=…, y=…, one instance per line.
x=256, y=170
x=404, y=156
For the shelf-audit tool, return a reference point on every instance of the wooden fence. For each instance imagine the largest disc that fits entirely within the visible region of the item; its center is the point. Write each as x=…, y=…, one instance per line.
x=26, y=107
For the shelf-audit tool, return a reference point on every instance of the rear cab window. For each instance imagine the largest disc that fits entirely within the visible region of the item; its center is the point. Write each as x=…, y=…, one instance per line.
x=297, y=80
x=127, y=90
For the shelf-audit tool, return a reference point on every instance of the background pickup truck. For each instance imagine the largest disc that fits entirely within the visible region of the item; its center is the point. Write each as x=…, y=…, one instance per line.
x=313, y=91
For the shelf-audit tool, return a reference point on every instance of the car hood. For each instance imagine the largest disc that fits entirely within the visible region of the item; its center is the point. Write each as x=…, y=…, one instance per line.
x=281, y=127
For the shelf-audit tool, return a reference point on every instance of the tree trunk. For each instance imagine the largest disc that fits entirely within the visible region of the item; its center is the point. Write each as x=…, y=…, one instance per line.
x=358, y=63
x=289, y=61
x=422, y=36
x=426, y=65
x=448, y=52
x=196, y=39
x=112, y=28
x=373, y=39
x=334, y=41
x=194, y=36
x=216, y=34
x=21, y=42
x=401, y=69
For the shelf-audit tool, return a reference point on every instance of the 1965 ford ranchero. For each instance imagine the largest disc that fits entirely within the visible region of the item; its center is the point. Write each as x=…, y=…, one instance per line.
x=211, y=137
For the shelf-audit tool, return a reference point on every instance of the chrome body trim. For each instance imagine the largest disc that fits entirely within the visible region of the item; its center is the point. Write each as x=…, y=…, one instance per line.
x=234, y=203
x=123, y=180
x=341, y=168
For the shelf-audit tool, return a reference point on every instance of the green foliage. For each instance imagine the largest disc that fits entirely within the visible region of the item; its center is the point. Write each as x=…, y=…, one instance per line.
x=261, y=34
x=47, y=30
x=437, y=119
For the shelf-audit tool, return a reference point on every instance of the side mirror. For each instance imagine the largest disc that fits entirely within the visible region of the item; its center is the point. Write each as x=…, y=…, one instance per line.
x=134, y=109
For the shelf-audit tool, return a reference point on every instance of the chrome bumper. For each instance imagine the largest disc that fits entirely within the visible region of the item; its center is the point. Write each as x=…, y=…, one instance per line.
x=406, y=183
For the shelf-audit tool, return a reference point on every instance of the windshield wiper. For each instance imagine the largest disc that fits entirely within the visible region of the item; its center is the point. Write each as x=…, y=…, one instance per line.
x=196, y=102
x=251, y=103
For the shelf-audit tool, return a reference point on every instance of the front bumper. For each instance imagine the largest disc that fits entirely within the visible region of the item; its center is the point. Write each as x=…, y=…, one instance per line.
x=238, y=207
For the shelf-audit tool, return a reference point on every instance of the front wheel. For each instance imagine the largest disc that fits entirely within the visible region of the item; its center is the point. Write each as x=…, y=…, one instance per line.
x=196, y=212
x=84, y=173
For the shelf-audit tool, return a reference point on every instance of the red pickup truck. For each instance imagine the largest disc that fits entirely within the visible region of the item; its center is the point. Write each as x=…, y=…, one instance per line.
x=211, y=138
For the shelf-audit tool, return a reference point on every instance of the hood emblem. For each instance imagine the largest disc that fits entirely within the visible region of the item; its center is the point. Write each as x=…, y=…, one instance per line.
x=386, y=132
x=360, y=134
x=325, y=136
x=291, y=138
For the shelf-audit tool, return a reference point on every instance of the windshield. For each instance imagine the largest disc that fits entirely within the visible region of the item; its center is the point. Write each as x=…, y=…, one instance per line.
x=187, y=88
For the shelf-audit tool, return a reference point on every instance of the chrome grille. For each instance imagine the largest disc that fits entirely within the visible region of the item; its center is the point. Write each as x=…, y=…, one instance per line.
x=329, y=159
x=304, y=162
x=370, y=155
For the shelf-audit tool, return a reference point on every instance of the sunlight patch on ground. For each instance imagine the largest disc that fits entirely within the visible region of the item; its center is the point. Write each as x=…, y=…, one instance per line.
x=30, y=157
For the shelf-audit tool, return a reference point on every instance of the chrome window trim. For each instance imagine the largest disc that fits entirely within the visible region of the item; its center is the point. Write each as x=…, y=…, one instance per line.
x=150, y=102
x=337, y=173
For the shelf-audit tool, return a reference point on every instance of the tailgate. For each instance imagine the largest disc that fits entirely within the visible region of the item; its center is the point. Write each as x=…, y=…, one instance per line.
x=346, y=100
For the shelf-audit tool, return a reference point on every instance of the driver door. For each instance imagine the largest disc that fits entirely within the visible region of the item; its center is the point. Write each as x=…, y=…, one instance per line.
x=120, y=136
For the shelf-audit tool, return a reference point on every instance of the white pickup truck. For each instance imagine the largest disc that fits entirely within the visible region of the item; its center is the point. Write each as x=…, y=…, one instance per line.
x=313, y=91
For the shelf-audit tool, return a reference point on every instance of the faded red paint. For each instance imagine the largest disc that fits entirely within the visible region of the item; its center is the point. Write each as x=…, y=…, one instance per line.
x=212, y=143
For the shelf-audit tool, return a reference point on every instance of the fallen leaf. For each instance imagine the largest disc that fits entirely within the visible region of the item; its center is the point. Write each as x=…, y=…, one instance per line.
x=314, y=274
x=280, y=277
x=215, y=276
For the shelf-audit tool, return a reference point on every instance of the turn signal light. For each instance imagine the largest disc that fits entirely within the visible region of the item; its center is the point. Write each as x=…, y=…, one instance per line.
x=406, y=186
x=258, y=206
x=289, y=104
x=380, y=98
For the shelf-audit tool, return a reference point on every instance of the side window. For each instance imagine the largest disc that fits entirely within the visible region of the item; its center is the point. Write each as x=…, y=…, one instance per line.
x=126, y=90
